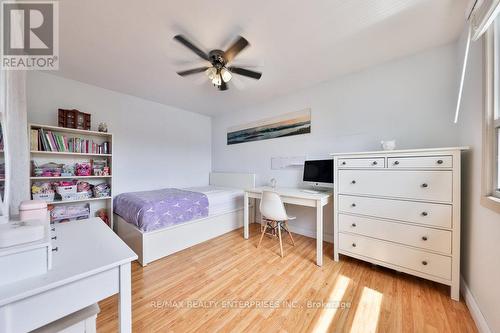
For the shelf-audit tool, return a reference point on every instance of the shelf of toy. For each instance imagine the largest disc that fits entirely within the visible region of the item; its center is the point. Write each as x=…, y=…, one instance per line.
x=69, y=177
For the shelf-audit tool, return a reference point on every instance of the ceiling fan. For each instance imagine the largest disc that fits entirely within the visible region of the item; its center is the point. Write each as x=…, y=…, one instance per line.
x=219, y=72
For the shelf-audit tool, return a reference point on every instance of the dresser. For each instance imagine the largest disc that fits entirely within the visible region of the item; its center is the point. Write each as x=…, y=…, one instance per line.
x=401, y=209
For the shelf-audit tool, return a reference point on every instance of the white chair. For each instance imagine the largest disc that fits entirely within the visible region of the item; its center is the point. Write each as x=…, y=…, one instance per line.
x=274, y=215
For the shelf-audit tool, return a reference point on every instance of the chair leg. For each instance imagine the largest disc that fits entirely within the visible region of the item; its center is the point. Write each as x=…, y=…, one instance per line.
x=279, y=235
x=289, y=233
x=262, y=236
x=263, y=226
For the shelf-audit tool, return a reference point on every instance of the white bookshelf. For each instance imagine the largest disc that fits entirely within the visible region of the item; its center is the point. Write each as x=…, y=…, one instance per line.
x=42, y=157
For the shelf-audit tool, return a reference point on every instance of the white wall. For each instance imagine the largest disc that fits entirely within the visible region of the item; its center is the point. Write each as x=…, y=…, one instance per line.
x=155, y=145
x=480, y=225
x=410, y=100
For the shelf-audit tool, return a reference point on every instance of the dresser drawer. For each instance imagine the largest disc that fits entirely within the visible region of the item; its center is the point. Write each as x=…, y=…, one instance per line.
x=438, y=215
x=423, y=185
x=397, y=255
x=372, y=163
x=425, y=238
x=420, y=162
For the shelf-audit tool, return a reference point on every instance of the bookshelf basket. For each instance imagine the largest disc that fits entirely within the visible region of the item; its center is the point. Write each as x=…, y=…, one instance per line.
x=67, y=146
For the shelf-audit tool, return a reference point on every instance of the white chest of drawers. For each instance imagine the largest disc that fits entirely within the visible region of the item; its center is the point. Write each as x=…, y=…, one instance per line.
x=401, y=209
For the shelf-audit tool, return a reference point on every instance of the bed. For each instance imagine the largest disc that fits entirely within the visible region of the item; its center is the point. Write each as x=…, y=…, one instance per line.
x=144, y=220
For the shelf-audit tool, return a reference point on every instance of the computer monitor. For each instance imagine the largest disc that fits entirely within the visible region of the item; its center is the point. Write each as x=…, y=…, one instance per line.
x=319, y=173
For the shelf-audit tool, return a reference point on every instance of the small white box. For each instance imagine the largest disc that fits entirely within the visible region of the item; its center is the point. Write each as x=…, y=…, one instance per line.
x=34, y=210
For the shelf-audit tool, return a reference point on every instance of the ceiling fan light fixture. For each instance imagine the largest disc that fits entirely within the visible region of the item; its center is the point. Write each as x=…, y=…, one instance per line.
x=226, y=75
x=216, y=71
x=211, y=72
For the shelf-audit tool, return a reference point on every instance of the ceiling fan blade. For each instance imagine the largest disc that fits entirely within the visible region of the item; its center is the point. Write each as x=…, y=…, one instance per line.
x=245, y=72
x=223, y=86
x=192, y=71
x=236, y=48
x=181, y=39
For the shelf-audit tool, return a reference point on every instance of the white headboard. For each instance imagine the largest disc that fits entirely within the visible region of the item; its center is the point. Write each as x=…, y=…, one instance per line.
x=235, y=180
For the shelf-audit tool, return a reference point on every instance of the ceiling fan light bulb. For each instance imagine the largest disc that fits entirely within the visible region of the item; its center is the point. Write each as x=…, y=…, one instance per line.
x=226, y=75
x=211, y=73
x=217, y=80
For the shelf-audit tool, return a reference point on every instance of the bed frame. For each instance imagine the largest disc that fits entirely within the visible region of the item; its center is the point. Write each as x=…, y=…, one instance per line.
x=153, y=245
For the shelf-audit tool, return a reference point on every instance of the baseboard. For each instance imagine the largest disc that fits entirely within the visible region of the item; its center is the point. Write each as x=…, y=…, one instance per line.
x=474, y=310
x=310, y=233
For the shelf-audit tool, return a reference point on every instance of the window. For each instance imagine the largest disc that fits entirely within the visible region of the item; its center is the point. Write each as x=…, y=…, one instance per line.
x=495, y=161
x=491, y=130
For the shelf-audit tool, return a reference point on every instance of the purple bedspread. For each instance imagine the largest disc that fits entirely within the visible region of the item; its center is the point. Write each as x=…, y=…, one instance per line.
x=151, y=210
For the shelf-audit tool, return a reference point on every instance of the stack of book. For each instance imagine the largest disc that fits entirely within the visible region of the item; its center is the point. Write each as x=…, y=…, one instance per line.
x=43, y=140
x=1, y=138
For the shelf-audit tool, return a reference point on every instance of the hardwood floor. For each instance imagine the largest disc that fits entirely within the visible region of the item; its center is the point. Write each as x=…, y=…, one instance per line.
x=204, y=289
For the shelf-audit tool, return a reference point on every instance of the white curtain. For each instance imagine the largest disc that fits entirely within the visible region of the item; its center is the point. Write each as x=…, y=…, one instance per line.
x=4, y=206
x=16, y=138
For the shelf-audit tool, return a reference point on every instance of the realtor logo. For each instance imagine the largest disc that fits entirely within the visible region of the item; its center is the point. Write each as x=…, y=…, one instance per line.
x=30, y=35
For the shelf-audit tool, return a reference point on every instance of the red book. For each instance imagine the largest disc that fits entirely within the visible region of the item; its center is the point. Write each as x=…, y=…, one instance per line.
x=66, y=145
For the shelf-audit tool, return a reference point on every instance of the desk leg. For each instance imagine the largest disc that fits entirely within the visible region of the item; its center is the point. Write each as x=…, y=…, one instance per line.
x=245, y=216
x=319, y=233
x=125, y=301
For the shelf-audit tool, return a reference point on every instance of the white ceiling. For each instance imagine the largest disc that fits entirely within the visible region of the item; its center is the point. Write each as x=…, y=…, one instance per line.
x=127, y=46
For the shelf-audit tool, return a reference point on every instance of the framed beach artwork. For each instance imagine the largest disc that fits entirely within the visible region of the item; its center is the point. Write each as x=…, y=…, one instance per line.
x=288, y=124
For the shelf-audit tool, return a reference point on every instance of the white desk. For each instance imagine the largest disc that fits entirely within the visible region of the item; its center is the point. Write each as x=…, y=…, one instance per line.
x=294, y=196
x=92, y=263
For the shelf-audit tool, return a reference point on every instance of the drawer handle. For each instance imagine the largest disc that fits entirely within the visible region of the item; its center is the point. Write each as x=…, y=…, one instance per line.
x=425, y=185
x=424, y=238
x=343, y=163
x=425, y=213
x=55, y=249
x=54, y=238
x=439, y=161
x=353, y=244
x=353, y=205
x=424, y=263
x=353, y=182
x=353, y=225
x=52, y=229
x=374, y=163
x=396, y=162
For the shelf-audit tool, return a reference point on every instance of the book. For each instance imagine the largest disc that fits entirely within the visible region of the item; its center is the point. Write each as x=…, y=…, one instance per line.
x=60, y=141
x=34, y=139
x=66, y=145
x=46, y=136
x=52, y=142
x=43, y=140
x=56, y=141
